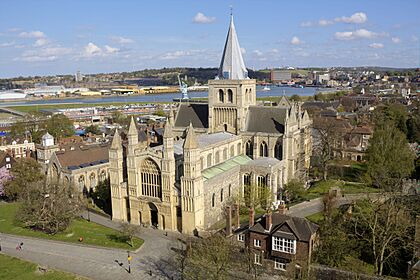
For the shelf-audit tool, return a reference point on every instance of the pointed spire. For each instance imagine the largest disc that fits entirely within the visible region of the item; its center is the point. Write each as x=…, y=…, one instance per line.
x=167, y=133
x=190, y=140
x=232, y=66
x=171, y=116
x=133, y=129
x=116, y=141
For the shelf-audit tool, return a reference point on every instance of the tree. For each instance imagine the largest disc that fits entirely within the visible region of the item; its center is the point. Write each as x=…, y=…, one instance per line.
x=209, y=258
x=327, y=134
x=389, y=157
x=49, y=207
x=94, y=129
x=394, y=113
x=255, y=195
x=102, y=196
x=5, y=176
x=25, y=172
x=294, y=190
x=60, y=126
x=129, y=231
x=295, y=97
x=384, y=224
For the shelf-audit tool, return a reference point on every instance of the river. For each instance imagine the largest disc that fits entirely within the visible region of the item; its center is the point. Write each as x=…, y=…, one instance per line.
x=167, y=97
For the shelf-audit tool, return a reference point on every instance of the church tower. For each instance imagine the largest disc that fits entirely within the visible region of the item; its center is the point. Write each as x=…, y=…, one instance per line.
x=232, y=92
x=132, y=180
x=118, y=191
x=168, y=178
x=192, y=201
x=46, y=150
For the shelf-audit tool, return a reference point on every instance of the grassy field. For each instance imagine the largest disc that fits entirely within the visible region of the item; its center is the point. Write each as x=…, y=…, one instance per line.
x=93, y=234
x=322, y=187
x=13, y=268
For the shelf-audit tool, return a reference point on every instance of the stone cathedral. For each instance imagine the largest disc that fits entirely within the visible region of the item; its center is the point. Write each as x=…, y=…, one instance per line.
x=210, y=151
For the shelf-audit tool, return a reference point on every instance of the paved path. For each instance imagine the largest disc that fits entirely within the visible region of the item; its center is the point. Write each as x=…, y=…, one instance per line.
x=314, y=206
x=99, y=263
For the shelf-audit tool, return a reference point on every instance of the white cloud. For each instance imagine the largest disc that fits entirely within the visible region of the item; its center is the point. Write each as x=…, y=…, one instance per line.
x=376, y=45
x=354, y=18
x=91, y=50
x=40, y=42
x=32, y=34
x=396, y=40
x=122, y=40
x=110, y=49
x=43, y=54
x=258, y=53
x=350, y=35
x=7, y=44
x=306, y=24
x=243, y=50
x=324, y=22
x=295, y=41
x=201, y=18
x=174, y=55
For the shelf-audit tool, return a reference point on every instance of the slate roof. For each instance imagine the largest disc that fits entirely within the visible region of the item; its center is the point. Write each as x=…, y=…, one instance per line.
x=266, y=119
x=83, y=156
x=300, y=227
x=263, y=161
x=194, y=113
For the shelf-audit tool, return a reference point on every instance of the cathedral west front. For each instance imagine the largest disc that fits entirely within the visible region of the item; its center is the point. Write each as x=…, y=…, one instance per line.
x=210, y=151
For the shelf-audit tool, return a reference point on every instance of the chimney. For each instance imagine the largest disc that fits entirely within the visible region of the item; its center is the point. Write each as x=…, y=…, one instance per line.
x=237, y=216
x=251, y=216
x=268, y=221
x=228, y=220
x=282, y=208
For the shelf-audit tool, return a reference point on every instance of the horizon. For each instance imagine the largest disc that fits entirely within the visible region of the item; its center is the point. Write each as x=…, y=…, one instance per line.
x=119, y=37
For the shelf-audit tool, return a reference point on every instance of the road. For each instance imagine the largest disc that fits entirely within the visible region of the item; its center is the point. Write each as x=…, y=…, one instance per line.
x=99, y=263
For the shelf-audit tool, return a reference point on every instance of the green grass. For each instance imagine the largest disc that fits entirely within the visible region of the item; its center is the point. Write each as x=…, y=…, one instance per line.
x=322, y=187
x=13, y=268
x=316, y=218
x=92, y=233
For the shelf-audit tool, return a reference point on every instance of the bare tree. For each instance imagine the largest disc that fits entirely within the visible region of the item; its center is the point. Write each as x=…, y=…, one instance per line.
x=385, y=225
x=129, y=231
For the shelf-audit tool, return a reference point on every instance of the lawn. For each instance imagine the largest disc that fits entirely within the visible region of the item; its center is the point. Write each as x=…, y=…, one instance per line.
x=13, y=268
x=92, y=233
x=322, y=187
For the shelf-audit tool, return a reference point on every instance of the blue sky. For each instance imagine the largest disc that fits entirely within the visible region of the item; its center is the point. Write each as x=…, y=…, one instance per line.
x=60, y=37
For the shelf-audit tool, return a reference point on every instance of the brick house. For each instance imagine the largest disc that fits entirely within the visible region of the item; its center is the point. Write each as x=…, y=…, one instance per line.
x=278, y=242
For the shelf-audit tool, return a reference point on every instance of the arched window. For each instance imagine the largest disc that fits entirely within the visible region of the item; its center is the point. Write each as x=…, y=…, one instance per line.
x=209, y=160
x=221, y=195
x=230, y=96
x=102, y=177
x=278, y=151
x=66, y=182
x=150, y=179
x=225, y=154
x=261, y=181
x=232, y=151
x=202, y=162
x=221, y=96
x=238, y=149
x=55, y=173
x=247, y=179
x=92, y=179
x=213, y=200
x=81, y=182
x=263, y=149
x=248, y=148
x=217, y=159
x=230, y=190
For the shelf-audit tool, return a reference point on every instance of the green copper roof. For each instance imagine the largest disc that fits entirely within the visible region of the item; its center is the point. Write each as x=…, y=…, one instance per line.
x=225, y=166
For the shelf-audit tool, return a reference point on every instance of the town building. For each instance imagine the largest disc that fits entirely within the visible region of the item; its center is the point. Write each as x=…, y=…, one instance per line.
x=17, y=148
x=6, y=160
x=280, y=75
x=210, y=151
x=76, y=164
x=278, y=242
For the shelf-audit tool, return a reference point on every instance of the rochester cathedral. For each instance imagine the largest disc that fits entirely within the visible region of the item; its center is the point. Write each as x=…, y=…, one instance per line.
x=210, y=151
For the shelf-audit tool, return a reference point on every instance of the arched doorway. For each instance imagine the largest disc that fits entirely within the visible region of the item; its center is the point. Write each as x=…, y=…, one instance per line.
x=153, y=214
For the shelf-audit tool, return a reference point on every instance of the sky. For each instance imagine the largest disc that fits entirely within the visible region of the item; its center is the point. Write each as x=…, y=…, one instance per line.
x=48, y=37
